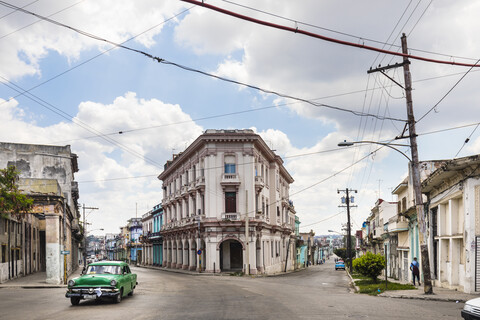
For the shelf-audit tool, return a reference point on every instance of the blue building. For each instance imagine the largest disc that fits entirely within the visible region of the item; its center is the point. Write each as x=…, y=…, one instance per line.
x=155, y=236
x=135, y=232
x=152, y=241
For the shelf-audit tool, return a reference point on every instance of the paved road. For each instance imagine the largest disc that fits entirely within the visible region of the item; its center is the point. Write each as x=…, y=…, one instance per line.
x=319, y=292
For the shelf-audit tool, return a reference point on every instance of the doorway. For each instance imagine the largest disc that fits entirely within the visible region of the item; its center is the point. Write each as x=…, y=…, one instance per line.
x=231, y=255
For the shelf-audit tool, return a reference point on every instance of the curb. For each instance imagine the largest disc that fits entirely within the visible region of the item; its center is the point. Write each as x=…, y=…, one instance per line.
x=352, y=282
x=209, y=274
x=427, y=298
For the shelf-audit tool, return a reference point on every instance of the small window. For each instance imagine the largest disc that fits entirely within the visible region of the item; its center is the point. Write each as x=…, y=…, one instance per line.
x=230, y=164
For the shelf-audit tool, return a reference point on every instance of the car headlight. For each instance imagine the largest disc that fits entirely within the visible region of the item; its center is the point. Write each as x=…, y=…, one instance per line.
x=468, y=307
x=71, y=283
x=113, y=283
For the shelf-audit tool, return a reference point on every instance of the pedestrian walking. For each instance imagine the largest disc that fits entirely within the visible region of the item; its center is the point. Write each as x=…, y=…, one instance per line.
x=415, y=268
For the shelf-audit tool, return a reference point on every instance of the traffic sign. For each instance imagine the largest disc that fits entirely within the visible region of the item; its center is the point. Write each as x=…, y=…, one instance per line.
x=65, y=252
x=199, y=252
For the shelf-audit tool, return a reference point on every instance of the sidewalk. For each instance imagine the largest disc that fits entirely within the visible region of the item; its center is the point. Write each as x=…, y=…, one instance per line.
x=37, y=281
x=439, y=294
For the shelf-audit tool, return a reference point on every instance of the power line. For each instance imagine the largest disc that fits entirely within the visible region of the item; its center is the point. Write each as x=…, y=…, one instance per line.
x=12, y=12
x=467, y=140
x=448, y=129
x=359, y=38
x=163, y=61
x=448, y=92
x=83, y=125
x=28, y=25
x=96, y=56
x=327, y=218
x=321, y=37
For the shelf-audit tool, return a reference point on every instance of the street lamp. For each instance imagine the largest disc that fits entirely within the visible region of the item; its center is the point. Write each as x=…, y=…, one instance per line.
x=346, y=143
x=415, y=177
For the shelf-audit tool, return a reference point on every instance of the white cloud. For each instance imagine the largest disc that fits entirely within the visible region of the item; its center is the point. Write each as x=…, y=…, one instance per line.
x=101, y=161
x=116, y=21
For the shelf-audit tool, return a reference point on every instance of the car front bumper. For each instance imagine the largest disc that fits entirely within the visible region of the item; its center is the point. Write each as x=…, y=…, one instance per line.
x=469, y=316
x=92, y=293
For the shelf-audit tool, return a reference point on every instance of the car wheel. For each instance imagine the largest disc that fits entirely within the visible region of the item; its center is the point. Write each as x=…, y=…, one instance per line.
x=131, y=292
x=118, y=298
x=74, y=301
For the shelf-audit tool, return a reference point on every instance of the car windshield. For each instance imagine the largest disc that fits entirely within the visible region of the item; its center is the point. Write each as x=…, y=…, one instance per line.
x=98, y=269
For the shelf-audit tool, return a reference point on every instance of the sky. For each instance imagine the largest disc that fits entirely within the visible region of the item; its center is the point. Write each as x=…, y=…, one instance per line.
x=59, y=86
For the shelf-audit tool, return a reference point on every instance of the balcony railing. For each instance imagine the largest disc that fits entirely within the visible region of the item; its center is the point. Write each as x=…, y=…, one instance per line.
x=231, y=216
x=230, y=179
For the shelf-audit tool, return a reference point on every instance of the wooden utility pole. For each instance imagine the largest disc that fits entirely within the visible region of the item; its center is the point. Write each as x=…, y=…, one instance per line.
x=414, y=170
x=349, y=232
x=85, y=234
x=427, y=280
x=247, y=247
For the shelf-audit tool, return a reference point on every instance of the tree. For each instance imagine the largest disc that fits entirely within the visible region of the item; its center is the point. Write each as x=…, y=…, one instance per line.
x=342, y=253
x=369, y=265
x=11, y=200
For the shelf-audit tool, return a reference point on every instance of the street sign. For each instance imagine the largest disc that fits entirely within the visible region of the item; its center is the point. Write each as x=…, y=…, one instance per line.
x=199, y=252
x=65, y=252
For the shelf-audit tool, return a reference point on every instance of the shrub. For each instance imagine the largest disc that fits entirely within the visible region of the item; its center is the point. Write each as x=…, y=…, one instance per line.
x=369, y=265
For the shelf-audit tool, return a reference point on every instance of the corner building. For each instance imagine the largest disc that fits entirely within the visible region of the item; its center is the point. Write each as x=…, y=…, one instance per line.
x=210, y=189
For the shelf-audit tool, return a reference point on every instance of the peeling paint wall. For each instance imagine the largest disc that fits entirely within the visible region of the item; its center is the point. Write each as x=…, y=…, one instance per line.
x=46, y=170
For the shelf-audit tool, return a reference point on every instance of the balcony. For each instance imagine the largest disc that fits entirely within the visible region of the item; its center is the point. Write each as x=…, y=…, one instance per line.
x=259, y=183
x=230, y=179
x=200, y=182
x=398, y=226
x=232, y=216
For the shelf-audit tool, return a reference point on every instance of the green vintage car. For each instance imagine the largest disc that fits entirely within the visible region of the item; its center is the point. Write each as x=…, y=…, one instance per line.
x=103, y=279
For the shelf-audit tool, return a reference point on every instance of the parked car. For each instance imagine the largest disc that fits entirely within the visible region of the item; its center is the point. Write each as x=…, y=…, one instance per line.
x=339, y=265
x=471, y=309
x=104, y=279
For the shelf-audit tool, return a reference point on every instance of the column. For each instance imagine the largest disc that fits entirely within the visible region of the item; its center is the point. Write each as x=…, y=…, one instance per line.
x=200, y=261
x=184, y=254
x=179, y=253
x=193, y=255
x=52, y=251
x=174, y=254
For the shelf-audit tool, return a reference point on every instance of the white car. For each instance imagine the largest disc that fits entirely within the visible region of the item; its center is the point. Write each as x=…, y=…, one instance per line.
x=471, y=310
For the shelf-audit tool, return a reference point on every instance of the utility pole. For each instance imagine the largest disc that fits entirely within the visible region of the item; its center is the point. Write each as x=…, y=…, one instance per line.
x=349, y=232
x=414, y=165
x=427, y=280
x=247, y=249
x=85, y=234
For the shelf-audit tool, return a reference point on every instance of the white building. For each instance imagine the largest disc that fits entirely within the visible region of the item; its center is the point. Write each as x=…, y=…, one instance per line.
x=453, y=191
x=223, y=177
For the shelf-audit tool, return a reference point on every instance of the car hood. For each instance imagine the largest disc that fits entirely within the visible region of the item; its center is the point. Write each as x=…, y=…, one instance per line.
x=474, y=302
x=95, y=280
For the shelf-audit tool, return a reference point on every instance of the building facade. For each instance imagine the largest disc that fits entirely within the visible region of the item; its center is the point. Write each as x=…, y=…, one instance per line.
x=49, y=237
x=223, y=181
x=134, y=247
x=453, y=192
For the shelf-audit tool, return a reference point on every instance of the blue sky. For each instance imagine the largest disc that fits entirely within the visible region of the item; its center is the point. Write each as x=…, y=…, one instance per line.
x=123, y=90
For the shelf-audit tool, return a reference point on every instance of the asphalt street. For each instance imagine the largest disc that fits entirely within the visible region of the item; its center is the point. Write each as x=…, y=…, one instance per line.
x=319, y=292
